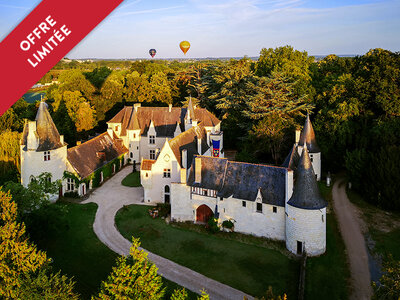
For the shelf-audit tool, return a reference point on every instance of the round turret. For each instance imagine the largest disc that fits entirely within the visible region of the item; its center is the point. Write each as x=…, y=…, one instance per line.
x=306, y=213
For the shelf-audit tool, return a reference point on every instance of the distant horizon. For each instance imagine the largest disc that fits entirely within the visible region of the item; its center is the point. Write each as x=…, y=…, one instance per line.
x=194, y=58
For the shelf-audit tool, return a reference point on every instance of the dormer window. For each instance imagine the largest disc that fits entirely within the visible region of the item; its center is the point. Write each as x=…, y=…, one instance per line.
x=274, y=209
x=259, y=207
x=152, y=139
x=46, y=155
x=116, y=128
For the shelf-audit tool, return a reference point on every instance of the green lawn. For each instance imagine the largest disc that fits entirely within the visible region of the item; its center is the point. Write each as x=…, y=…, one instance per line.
x=78, y=253
x=132, y=180
x=245, y=266
x=327, y=276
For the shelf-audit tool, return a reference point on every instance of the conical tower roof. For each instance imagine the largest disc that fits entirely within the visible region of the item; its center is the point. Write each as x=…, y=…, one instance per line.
x=292, y=160
x=306, y=193
x=307, y=137
x=49, y=138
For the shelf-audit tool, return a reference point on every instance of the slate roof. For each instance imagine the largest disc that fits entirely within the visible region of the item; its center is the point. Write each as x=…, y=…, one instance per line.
x=188, y=140
x=307, y=136
x=165, y=122
x=46, y=130
x=306, y=194
x=146, y=164
x=241, y=180
x=93, y=154
x=292, y=160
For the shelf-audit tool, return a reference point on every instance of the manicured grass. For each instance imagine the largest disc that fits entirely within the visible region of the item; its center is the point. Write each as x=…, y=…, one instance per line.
x=327, y=276
x=247, y=267
x=387, y=242
x=78, y=253
x=132, y=180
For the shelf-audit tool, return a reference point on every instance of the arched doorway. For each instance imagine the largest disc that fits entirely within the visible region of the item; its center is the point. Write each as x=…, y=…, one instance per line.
x=203, y=213
x=167, y=194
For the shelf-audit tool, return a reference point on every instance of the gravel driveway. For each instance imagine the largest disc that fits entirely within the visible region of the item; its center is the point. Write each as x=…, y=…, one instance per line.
x=349, y=225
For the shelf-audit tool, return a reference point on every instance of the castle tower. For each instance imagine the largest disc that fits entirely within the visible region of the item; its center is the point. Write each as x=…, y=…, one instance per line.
x=307, y=137
x=42, y=148
x=133, y=134
x=306, y=212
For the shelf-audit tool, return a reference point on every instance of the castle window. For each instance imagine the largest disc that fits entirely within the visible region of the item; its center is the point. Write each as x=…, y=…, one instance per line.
x=205, y=192
x=152, y=139
x=221, y=199
x=147, y=174
x=116, y=128
x=167, y=173
x=70, y=184
x=46, y=155
x=259, y=207
x=244, y=203
x=322, y=218
x=32, y=178
x=274, y=209
x=134, y=135
x=131, y=155
x=152, y=154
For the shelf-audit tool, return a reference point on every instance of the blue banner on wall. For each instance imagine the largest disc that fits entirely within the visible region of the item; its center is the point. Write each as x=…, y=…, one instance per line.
x=216, y=148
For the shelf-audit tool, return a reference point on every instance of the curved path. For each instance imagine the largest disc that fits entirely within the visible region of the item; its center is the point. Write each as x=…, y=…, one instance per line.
x=112, y=196
x=349, y=224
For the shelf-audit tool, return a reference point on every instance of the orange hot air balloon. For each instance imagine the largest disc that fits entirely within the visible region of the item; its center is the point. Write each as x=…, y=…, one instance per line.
x=185, y=46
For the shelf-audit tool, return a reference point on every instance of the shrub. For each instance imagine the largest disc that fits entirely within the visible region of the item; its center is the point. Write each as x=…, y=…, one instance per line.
x=212, y=225
x=164, y=209
x=71, y=194
x=228, y=224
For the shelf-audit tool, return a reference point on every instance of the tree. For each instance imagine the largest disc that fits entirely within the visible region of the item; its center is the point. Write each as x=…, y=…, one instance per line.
x=9, y=156
x=388, y=287
x=85, y=117
x=74, y=80
x=35, y=195
x=293, y=64
x=24, y=271
x=161, y=88
x=133, y=278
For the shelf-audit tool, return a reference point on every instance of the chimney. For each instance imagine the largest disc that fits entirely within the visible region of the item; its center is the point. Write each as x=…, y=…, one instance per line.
x=78, y=143
x=184, y=158
x=32, y=141
x=136, y=106
x=197, y=169
x=298, y=132
x=169, y=107
x=199, y=146
x=62, y=140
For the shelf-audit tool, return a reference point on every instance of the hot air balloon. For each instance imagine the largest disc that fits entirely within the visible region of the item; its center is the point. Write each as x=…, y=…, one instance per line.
x=152, y=52
x=185, y=46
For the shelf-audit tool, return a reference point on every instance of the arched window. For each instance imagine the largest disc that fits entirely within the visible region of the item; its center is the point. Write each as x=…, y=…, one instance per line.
x=32, y=178
x=166, y=194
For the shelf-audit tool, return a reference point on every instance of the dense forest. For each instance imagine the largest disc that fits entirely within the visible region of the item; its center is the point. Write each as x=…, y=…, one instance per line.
x=353, y=103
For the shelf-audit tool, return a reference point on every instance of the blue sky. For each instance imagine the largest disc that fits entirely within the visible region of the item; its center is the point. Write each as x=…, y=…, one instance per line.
x=217, y=28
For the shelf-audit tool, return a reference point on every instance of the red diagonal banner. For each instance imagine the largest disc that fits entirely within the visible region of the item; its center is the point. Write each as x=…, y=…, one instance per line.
x=42, y=39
